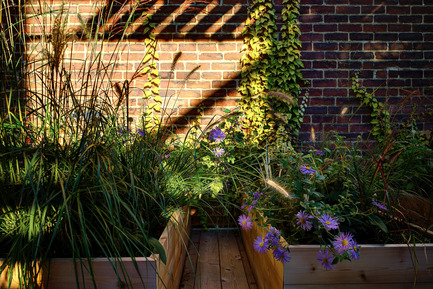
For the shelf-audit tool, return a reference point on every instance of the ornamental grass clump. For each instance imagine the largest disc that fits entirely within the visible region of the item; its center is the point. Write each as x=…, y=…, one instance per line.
x=77, y=179
x=338, y=197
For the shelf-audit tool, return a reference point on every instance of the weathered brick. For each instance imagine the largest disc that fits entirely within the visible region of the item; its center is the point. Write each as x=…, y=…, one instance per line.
x=325, y=46
x=336, y=37
x=336, y=18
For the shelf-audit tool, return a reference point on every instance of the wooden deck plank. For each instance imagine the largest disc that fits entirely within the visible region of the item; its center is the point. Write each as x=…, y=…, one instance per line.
x=209, y=270
x=190, y=269
x=232, y=269
x=247, y=267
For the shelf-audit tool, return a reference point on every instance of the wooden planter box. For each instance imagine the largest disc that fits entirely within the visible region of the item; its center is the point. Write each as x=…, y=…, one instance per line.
x=379, y=266
x=150, y=273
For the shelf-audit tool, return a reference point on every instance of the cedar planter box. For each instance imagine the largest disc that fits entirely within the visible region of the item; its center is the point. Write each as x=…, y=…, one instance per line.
x=379, y=266
x=174, y=239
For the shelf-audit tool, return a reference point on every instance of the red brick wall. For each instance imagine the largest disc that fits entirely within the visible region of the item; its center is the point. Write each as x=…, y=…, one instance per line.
x=389, y=42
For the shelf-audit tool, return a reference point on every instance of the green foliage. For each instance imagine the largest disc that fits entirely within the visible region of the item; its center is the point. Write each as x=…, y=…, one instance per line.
x=380, y=117
x=368, y=193
x=270, y=63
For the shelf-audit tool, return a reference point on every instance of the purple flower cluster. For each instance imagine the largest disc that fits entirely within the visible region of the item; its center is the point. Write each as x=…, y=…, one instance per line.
x=379, y=205
x=217, y=135
x=272, y=242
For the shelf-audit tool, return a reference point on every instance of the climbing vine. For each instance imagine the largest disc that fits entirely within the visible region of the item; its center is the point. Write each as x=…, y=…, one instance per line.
x=380, y=117
x=270, y=63
x=151, y=87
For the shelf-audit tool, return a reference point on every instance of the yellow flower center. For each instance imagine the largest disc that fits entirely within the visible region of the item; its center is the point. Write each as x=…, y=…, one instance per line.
x=302, y=220
x=345, y=242
x=307, y=167
x=244, y=223
x=261, y=244
x=325, y=261
x=328, y=223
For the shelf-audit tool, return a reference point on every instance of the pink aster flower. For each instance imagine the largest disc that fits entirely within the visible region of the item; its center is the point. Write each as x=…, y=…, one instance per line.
x=307, y=170
x=326, y=258
x=343, y=242
x=329, y=222
x=260, y=245
x=245, y=222
x=218, y=152
x=303, y=220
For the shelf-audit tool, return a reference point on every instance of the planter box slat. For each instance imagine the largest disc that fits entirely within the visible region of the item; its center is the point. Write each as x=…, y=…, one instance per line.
x=361, y=286
x=173, y=239
x=377, y=264
x=267, y=271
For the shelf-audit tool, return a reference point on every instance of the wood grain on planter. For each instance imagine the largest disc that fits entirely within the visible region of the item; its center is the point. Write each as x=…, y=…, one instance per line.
x=143, y=273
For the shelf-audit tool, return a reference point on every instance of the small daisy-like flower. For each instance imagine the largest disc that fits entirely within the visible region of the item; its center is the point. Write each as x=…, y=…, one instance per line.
x=354, y=250
x=379, y=205
x=245, y=222
x=260, y=245
x=140, y=132
x=320, y=153
x=342, y=242
x=329, y=222
x=256, y=195
x=307, y=170
x=217, y=135
x=281, y=255
x=303, y=220
x=218, y=152
x=326, y=258
x=273, y=237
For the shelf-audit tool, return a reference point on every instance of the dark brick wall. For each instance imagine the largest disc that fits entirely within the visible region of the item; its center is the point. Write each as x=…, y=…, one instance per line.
x=388, y=42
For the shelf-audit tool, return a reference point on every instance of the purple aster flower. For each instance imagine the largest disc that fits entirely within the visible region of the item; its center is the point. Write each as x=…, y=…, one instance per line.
x=303, y=220
x=140, y=132
x=273, y=237
x=281, y=255
x=256, y=195
x=379, y=205
x=260, y=245
x=326, y=258
x=342, y=242
x=219, y=152
x=354, y=250
x=320, y=153
x=307, y=170
x=329, y=222
x=166, y=156
x=217, y=135
x=245, y=222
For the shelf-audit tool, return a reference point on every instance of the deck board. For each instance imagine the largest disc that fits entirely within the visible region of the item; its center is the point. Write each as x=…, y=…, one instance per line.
x=209, y=270
x=232, y=270
x=220, y=263
x=190, y=268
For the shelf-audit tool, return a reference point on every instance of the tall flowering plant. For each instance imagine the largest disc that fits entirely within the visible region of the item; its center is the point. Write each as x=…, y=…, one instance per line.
x=314, y=197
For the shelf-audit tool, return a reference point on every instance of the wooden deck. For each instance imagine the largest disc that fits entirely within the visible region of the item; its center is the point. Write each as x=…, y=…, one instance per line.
x=217, y=260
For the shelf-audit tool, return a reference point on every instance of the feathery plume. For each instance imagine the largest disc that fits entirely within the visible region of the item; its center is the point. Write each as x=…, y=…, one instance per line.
x=281, y=96
x=278, y=188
